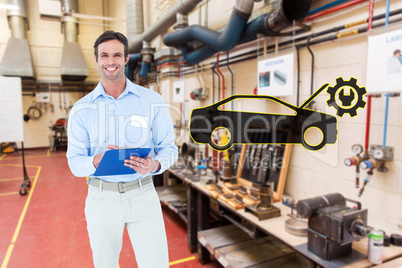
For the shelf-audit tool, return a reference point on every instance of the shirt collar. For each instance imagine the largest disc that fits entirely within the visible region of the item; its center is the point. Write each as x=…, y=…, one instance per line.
x=130, y=87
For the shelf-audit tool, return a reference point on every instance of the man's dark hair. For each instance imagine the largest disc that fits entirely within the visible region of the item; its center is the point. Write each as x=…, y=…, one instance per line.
x=396, y=52
x=111, y=35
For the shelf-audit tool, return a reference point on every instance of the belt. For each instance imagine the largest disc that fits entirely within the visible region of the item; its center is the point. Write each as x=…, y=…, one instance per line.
x=120, y=187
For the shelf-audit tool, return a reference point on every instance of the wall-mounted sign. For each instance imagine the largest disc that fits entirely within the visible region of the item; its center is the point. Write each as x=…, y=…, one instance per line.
x=384, y=62
x=178, y=91
x=276, y=75
x=11, y=115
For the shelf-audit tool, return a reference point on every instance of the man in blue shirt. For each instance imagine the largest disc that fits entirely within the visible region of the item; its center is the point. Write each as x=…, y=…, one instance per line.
x=118, y=113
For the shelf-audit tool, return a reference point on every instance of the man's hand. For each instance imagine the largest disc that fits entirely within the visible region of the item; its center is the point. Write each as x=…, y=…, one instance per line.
x=142, y=165
x=98, y=157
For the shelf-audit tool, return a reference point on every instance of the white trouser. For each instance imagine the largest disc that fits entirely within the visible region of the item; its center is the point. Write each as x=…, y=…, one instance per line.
x=140, y=211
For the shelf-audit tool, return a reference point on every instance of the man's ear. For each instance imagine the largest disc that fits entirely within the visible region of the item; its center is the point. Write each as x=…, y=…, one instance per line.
x=127, y=59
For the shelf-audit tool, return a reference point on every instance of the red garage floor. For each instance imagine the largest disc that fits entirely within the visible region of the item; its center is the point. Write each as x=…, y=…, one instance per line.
x=47, y=228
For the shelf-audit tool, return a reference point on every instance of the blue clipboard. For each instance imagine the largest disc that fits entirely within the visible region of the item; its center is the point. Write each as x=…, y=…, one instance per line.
x=112, y=162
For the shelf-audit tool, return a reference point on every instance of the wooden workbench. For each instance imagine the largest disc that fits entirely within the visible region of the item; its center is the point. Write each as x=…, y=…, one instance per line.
x=198, y=213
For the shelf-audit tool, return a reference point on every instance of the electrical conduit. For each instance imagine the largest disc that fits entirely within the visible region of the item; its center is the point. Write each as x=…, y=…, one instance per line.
x=370, y=17
x=231, y=77
x=223, y=78
x=387, y=13
x=384, y=140
x=368, y=116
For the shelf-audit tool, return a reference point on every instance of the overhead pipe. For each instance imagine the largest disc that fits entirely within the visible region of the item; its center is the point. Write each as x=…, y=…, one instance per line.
x=330, y=38
x=145, y=67
x=135, y=18
x=254, y=53
x=218, y=41
x=349, y=4
x=69, y=23
x=213, y=41
x=17, y=19
x=269, y=24
x=339, y=28
x=147, y=54
x=135, y=26
x=131, y=65
x=183, y=7
x=323, y=7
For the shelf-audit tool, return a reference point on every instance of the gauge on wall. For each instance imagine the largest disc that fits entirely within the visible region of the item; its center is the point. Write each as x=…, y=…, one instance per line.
x=379, y=153
x=357, y=149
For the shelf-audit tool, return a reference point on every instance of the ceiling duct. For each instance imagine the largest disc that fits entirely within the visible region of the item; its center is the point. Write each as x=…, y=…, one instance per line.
x=135, y=18
x=183, y=7
x=73, y=66
x=17, y=60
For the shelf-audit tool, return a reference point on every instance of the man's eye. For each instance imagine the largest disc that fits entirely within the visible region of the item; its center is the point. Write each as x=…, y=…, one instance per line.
x=103, y=56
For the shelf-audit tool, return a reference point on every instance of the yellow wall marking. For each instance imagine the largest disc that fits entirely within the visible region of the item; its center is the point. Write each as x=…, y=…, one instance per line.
x=181, y=261
x=17, y=230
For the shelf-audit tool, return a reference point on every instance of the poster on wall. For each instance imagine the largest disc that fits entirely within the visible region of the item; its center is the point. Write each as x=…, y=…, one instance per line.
x=11, y=115
x=178, y=91
x=276, y=75
x=384, y=62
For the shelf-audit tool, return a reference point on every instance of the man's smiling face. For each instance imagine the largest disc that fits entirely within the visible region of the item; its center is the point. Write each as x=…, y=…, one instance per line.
x=111, y=61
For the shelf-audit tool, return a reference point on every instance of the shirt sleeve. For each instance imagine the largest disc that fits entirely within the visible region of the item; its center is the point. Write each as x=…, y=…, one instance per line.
x=78, y=150
x=163, y=138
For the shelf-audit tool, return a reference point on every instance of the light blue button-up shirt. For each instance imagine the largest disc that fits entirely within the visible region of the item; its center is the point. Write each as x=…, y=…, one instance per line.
x=138, y=118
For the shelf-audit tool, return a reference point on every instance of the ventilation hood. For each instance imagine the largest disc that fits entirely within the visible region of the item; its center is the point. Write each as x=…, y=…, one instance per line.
x=73, y=66
x=17, y=60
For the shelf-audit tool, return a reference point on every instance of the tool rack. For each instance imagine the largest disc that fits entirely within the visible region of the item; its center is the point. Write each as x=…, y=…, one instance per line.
x=243, y=240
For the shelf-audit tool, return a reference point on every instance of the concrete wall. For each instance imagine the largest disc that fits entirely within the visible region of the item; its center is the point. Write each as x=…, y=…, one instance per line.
x=310, y=173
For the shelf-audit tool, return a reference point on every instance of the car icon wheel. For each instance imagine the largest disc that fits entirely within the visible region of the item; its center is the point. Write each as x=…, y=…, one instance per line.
x=316, y=146
x=221, y=139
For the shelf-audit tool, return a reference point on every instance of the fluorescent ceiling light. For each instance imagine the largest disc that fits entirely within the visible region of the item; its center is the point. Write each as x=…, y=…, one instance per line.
x=9, y=6
x=93, y=17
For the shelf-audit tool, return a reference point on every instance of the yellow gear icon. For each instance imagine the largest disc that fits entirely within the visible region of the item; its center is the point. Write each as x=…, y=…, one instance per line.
x=337, y=91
